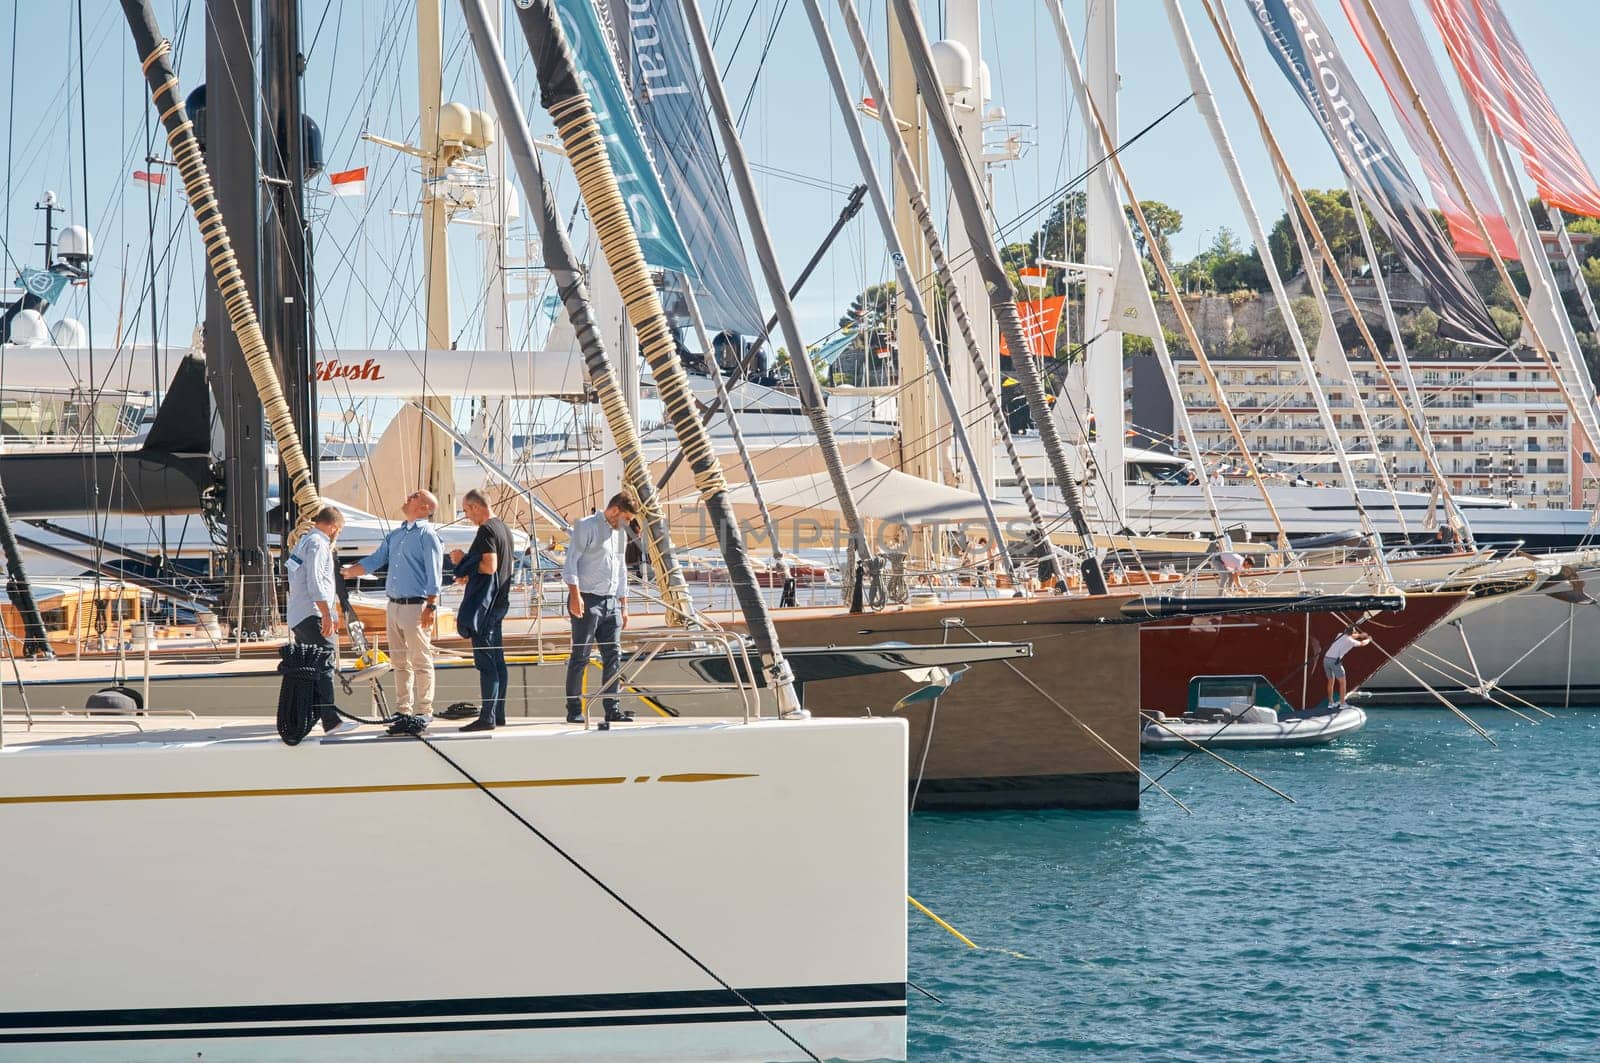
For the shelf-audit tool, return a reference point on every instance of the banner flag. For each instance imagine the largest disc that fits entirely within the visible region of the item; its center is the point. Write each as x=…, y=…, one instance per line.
x=157, y=179
x=659, y=237
x=1400, y=22
x=1305, y=51
x=665, y=84
x=43, y=283
x=1496, y=72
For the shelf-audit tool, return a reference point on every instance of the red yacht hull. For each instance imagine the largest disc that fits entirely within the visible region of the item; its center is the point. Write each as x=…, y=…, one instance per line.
x=1286, y=647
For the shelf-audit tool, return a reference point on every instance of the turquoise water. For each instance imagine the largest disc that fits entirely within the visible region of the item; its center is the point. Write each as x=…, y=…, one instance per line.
x=1429, y=897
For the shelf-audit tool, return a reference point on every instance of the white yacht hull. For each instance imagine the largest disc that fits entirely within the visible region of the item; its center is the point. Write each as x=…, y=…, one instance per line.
x=220, y=896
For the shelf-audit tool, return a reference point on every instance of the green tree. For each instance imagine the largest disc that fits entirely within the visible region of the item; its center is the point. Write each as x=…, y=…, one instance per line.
x=1337, y=220
x=1165, y=223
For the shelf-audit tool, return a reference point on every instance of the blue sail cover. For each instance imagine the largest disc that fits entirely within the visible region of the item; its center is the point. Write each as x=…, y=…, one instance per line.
x=659, y=236
x=1306, y=53
x=666, y=92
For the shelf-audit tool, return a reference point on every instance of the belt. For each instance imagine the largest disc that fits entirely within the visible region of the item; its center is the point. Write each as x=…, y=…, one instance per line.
x=407, y=601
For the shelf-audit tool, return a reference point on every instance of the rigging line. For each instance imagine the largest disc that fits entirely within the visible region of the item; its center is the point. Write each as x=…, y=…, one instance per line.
x=614, y=895
x=11, y=114
x=761, y=62
x=88, y=313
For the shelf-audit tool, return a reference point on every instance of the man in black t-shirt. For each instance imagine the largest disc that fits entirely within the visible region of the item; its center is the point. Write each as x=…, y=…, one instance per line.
x=487, y=568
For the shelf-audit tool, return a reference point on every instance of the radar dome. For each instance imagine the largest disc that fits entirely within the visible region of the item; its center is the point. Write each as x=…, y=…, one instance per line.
x=69, y=332
x=29, y=330
x=75, y=244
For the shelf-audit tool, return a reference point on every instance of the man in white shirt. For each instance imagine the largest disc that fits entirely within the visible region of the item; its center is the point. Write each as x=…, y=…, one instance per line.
x=1333, y=661
x=313, y=610
x=596, y=575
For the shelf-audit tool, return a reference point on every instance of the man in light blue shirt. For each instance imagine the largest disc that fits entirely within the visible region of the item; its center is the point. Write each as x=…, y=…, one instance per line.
x=313, y=611
x=415, y=559
x=596, y=575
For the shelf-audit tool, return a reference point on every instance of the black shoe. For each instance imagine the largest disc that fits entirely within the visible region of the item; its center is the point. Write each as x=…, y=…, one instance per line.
x=477, y=725
x=575, y=717
x=619, y=716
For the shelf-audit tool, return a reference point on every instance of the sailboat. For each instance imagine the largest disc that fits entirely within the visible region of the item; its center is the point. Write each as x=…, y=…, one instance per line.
x=584, y=945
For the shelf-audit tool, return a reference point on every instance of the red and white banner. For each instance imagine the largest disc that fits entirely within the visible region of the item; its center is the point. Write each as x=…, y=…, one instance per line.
x=1041, y=319
x=157, y=179
x=1406, y=33
x=1033, y=276
x=1496, y=72
x=349, y=182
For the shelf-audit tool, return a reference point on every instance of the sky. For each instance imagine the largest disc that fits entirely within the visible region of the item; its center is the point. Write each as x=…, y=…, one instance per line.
x=361, y=76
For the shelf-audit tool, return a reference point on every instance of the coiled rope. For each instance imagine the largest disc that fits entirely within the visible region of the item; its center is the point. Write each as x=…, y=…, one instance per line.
x=154, y=51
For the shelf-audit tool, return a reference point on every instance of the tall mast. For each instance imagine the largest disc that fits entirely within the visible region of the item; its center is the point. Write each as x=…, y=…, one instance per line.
x=583, y=139
x=568, y=277
x=230, y=132
x=920, y=241
x=1002, y=296
x=1091, y=115
x=812, y=399
x=919, y=311
x=436, y=462
x=1104, y=224
x=286, y=265
x=1200, y=85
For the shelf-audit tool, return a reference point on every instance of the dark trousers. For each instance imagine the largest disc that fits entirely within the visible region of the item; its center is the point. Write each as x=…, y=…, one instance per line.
x=308, y=632
x=489, y=657
x=600, y=623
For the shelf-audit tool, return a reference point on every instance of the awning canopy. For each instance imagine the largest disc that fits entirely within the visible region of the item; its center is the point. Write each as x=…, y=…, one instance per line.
x=881, y=493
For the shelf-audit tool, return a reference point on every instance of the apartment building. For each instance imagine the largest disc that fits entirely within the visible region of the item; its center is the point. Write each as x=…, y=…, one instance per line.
x=1500, y=429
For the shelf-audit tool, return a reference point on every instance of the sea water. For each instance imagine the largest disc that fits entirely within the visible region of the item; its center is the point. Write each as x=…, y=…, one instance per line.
x=1428, y=897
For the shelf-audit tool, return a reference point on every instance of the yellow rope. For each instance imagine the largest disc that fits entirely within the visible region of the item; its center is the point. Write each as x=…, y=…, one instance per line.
x=958, y=935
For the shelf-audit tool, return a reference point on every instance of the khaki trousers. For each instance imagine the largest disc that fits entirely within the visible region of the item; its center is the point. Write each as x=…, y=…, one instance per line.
x=411, y=653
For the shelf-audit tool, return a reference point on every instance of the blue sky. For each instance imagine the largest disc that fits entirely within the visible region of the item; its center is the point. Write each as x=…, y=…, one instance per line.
x=361, y=74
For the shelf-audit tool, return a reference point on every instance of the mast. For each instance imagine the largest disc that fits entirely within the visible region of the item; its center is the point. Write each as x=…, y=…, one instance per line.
x=286, y=265
x=153, y=52
x=568, y=277
x=1103, y=228
x=1218, y=17
x=581, y=135
x=914, y=303
x=1002, y=296
x=911, y=202
x=1092, y=117
x=436, y=461
x=1570, y=256
x=230, y=130
x=812, y=400
x=1200, y=85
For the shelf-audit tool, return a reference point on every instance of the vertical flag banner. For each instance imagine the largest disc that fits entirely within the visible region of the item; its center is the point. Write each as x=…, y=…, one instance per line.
x=1496, y=72
x=666, y=92
x=1400, y=22
x=1305, y=51
x=659, y=237
x=349, y=182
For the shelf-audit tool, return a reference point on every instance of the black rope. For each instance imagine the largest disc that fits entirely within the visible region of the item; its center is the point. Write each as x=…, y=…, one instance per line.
x=614, y=895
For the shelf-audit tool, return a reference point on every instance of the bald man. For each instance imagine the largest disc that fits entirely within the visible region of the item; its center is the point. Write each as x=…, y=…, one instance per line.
x=415, y=559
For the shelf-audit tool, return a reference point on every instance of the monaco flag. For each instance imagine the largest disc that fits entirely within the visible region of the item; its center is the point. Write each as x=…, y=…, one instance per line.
x=149, y=178
x=349, y=182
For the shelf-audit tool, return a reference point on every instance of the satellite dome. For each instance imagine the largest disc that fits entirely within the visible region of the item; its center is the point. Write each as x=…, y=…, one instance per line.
x=952, y=61
x=69, y=332
x=29, y=330
x=75, y=244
